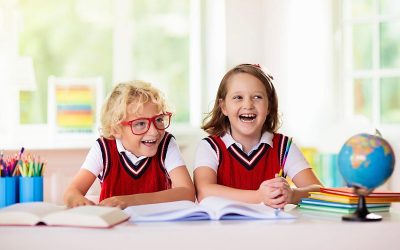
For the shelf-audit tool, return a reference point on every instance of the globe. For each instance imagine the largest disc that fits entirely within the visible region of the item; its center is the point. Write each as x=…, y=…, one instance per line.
x=366, y=161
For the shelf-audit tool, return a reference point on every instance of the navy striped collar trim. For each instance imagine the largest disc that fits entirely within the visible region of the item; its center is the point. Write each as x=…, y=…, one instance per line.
x=248, y=161
x=135, y=171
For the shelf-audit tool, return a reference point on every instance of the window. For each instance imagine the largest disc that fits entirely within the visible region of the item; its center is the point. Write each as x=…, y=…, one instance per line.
x=68, y=39
x=371, y=36
x=158, y=47
x=117, y=40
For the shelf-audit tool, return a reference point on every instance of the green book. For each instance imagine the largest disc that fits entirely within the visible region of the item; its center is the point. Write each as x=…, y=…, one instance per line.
x=339, y=204
x=340, y=210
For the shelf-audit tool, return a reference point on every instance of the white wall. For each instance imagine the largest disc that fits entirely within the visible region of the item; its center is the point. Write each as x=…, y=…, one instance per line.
x=244, y=32
x=294, y=40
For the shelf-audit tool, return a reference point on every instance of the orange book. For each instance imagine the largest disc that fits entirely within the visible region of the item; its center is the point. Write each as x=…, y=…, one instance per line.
x=346, y=195
x=349, y=192
x=351, y=199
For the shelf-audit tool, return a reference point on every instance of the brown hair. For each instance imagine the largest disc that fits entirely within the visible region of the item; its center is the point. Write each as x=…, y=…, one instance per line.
x=117, y=104
x=216, y=123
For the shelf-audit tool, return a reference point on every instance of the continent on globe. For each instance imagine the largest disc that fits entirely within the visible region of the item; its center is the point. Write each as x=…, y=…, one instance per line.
x=363, y=145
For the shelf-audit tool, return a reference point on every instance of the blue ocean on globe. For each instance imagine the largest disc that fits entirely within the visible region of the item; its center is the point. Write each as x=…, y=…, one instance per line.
x=366, y=161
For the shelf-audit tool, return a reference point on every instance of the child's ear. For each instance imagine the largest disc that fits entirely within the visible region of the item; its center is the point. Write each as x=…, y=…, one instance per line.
x=222, y=106
x=116, y=132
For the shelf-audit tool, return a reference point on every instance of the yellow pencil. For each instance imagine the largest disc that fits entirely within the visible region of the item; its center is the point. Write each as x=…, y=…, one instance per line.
x=278, y=210
x=280, y=174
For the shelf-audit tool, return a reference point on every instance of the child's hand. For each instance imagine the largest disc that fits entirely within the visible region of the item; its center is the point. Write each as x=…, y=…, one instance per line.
x=115, y=201
x=276, y=192
x=79, y=200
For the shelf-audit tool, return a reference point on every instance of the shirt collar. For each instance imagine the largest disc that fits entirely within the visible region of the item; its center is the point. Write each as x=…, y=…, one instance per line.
x=266, y=138
x=133, y=158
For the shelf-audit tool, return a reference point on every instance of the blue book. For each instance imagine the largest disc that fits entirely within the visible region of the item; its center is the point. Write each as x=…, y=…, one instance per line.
x=308, y=204
x=308, y=201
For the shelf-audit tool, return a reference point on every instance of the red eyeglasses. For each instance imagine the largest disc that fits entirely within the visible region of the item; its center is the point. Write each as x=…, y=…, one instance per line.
x=142, y=125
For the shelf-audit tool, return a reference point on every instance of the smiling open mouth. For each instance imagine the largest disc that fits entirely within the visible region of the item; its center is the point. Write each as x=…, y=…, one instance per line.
x=247, y=117
x=149, y=142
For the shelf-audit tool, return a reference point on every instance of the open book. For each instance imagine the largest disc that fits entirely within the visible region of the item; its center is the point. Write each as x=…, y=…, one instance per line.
x=210, y=208
x=34, y=213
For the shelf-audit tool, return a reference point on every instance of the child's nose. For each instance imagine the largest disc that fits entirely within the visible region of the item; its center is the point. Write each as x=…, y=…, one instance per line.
x=152, y=129
x=248, y=103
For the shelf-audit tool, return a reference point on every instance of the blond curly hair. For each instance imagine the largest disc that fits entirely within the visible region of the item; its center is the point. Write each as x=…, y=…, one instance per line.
x=117, y=104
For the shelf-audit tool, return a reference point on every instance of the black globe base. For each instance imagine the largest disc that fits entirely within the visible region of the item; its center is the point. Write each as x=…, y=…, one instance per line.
x=362, y=213
x=371, y=217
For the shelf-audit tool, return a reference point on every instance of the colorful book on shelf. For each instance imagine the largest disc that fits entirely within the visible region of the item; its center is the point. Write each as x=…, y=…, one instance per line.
x=210, y=208
x=350, y=199
x=38, y=213
x=327, y=206
x=349, y=192
x=324, y=166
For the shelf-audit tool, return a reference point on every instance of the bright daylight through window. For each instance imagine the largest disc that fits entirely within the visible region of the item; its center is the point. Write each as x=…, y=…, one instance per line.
x=80, y=38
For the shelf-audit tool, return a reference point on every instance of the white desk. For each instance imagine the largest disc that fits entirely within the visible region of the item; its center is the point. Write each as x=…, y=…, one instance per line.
x=306, y=232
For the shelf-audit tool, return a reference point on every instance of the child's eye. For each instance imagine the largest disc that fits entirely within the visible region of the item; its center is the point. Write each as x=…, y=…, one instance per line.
x=237, y=97
x=258, y=97
x=139, y=124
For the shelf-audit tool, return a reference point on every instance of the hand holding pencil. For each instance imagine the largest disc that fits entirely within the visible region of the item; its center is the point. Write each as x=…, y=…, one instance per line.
x=280, y=174
x=277, y=192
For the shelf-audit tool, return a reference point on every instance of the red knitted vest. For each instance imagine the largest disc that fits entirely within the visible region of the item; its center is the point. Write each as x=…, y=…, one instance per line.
x=121, y=177
x=238, y=170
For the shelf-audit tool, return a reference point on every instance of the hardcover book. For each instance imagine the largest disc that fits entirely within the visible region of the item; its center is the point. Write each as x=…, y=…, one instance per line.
x=349, y=198
x=349, y=192
x=337, y=207
x=42, y=213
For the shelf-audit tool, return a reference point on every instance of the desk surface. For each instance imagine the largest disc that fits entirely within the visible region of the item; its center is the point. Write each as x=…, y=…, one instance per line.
x=308, y=231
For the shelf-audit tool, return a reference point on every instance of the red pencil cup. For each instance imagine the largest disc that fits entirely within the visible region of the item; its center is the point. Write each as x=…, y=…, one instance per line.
x=31, y=189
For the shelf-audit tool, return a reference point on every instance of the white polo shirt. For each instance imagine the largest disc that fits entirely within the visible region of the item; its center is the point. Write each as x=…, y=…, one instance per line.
x=207, y=157
x=94, y=159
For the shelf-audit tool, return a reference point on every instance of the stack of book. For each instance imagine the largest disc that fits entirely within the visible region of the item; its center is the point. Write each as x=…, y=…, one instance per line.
x=344, y=201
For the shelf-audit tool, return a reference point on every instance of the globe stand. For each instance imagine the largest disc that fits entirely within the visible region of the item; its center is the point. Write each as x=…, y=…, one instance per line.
x=362, y=213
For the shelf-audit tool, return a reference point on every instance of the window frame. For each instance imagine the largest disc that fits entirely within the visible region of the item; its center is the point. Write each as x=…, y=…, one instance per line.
x=349, y=74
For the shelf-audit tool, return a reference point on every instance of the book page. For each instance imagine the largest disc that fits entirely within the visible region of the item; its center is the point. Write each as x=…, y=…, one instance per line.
x=87, y=216
x=29, y=213
x=167, y=211
x=229, y=209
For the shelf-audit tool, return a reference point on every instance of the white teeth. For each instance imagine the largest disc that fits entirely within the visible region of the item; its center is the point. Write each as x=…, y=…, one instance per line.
x=248, y=115
x=149, y=141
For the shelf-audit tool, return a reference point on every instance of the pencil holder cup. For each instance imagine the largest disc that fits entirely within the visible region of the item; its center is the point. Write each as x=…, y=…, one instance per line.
x=8, y=191
x=31, y=189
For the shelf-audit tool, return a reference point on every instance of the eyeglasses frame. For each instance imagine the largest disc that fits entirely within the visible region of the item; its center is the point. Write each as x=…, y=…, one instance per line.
x=151, y=120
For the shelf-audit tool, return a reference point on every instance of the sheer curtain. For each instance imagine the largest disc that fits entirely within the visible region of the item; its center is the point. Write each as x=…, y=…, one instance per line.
x=9, y=32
